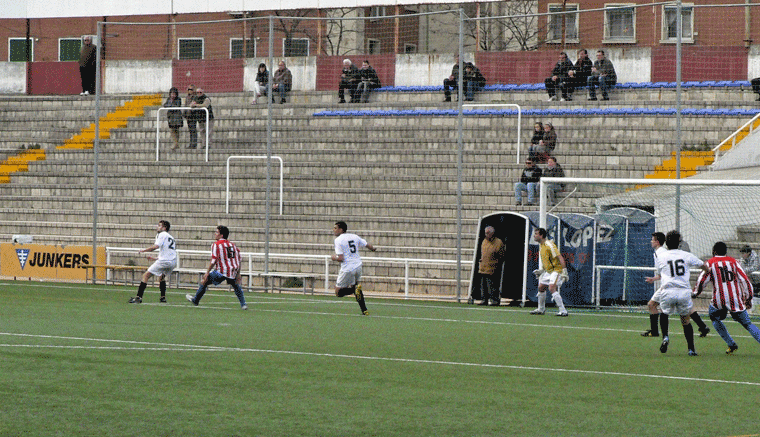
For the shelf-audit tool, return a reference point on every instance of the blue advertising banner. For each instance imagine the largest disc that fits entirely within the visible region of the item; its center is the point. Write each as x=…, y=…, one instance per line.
x=623, y=239
x=577, y=247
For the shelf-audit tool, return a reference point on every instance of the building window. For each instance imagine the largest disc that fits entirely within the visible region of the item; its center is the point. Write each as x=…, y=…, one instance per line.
x=17, y=49
x=619, y=23
x=571, y=23
x=236, y=48
x=295, y=46
x=670, y=24
x=410, y=48
x=376, y=12
x=69, y=48
x=190, y=48
x=373, y=46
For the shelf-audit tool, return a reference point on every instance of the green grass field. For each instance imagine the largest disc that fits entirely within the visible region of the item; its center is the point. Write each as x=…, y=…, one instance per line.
x=77, y=360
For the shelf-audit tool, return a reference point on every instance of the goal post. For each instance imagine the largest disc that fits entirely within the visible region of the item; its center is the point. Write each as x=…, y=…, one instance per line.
x=625, y=213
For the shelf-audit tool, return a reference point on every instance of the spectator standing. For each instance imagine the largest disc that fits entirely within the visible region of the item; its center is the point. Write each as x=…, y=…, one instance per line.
x=203, y=101
x=87, y=66
x=673, y=266
x=349, y=80
x=369, y=82
x=580, y=72
x=732, y=294
x=551, y=273
x=347, y=247
x=554, y=170
x=602, y=75
x=492, y=251
x=162, y=266
x=174, y=116
x=223, y=267
x=559, y=78
x=190, y=117
x=261, y=82
x=529, y=178
x=282, y=82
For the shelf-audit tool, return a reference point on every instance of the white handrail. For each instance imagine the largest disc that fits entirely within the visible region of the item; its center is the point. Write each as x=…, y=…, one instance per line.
x=732, y=137
x=172, y=108
x=227, y=194
x=519, y=118
x=403, y=263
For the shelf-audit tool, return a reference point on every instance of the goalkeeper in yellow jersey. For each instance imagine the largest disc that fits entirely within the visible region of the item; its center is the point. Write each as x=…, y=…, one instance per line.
x=551, y=273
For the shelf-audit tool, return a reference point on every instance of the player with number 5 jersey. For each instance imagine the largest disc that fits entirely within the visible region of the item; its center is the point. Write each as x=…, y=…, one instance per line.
x=347, y=247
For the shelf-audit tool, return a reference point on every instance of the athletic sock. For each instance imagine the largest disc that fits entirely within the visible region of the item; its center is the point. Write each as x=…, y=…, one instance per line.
x=162, y=287
x=558, y=300
x=653, y=324
x=698, y=320
x=141, y=289
x=360, y=300
x=664, y=324
x=688, y=332
x=239, y=293
x=541, y=301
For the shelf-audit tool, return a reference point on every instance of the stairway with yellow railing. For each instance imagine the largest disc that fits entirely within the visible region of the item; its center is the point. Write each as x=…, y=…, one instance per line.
x=116, y=119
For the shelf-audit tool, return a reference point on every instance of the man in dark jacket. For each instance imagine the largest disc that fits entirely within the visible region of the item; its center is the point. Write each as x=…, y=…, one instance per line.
x=472, y=80
x=87, y=66
x=349, y=80
x=580, y=72
x=369, y=81
x=554, y=170
x=559, y=78
x=602, y=74
x=529, y=178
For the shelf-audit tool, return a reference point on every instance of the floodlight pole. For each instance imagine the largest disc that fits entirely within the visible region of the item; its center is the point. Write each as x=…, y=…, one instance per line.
x=679, y=139
x=95, y=147
x=460, y=151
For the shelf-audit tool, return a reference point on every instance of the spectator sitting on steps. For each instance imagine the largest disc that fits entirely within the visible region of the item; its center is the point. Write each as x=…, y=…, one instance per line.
x=529, y=178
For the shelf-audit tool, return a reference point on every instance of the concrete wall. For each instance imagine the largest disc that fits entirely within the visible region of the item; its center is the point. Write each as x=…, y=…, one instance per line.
x=12, y=77
x=130, y=77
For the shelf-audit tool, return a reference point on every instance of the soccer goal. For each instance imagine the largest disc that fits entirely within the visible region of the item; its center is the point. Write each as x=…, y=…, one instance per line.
x=607, y=242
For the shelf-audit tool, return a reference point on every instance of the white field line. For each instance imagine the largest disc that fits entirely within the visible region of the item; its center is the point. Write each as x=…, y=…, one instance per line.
x=141, y=346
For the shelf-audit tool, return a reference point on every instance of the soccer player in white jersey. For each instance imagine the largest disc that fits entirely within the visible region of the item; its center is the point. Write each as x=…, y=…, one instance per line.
x=732, y=293
x=163, y=265
x=347, y=254
x=673, y=266
x=658, y=241
x=223, y=267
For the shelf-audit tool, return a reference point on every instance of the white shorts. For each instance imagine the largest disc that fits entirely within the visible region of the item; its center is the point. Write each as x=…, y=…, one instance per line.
x=676, y=301
x=163, y=267
x=349, y=278
x=658, y=296
x=547, y=278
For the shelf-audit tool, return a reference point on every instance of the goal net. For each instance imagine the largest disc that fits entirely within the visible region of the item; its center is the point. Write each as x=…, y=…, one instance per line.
x=621, y=215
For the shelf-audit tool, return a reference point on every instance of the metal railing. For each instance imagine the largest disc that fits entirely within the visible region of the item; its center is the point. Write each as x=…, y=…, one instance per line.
x=750, y=126
x=250, y=258
x=177, y=108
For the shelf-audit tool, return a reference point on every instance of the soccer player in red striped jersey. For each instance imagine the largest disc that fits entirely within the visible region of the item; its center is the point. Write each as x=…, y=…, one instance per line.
x=224, y=266
x=732, y=293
